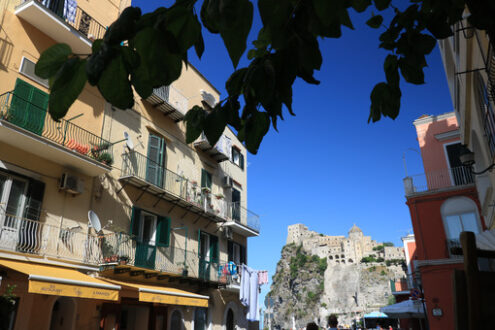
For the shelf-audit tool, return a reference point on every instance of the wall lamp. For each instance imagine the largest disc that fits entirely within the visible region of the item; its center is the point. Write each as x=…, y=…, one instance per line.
x=467, y=159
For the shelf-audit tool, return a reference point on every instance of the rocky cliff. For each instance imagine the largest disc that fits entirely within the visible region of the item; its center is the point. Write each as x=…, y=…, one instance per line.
x=305, y=288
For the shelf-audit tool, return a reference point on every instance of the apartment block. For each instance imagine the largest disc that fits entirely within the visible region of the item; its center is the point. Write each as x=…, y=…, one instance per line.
x=108, y=218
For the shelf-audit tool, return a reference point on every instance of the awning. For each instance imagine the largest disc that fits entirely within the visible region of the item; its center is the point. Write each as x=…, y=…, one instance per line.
x=164, y=295
x=375, y=315
x=60, y=281
x=405, y=309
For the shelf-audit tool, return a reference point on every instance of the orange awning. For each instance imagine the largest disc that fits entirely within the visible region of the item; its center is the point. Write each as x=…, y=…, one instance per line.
x=164, y=295
x=61, y=281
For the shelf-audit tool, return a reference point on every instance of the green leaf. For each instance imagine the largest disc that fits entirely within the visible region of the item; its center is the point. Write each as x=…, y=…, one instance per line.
x=210, y=15
x=256, y=127
x=391, y=68
x=51, y=60
x=384, y=100
x=425, y=43
x=375, y=22
x=124, y=27
x=199, y=46
x=382, y=4
x=67, y=86
x=184, y=25
x=237, y=18
x=194, y=119
x=412, y=72
x=114, y=84
x=214, y=124
x=360, y=5
x=235, y=82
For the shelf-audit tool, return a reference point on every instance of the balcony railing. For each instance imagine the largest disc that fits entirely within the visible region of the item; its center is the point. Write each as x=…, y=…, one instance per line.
x=26, y=115
x=446, y=178
x=169, y=100
x=34, y=237
x=137, y=165
x=123, y=249
x=403, y=284
x=75, y=17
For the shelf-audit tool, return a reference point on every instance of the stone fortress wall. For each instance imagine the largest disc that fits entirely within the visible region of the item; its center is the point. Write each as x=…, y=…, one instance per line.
x=340, y=249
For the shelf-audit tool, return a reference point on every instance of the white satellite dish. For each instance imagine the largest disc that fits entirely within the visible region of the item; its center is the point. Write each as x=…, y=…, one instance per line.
x=94, y=221
x=128, y=141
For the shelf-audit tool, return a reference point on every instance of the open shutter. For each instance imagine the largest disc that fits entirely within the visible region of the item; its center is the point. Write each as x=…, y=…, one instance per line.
x=205, y=179
x=241, y=160
x=163, y=231
x=35, y=194
x=230, y=250
x=136, y=214
x=243, y=255
x=199, y=243
x=213, y=249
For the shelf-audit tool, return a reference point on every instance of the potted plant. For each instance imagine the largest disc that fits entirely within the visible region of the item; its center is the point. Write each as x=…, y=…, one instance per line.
x=123, y=260
x=206, y=190
x=105, y=158
x=219, y=196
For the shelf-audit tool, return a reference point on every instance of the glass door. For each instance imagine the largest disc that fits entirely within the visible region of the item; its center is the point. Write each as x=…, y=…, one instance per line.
x=146, y=246
x=236, y=204
x=12, y=204
x=204, y=256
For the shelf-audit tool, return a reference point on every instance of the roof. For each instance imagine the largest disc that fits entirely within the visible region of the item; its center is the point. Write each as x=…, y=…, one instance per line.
x=355, y=229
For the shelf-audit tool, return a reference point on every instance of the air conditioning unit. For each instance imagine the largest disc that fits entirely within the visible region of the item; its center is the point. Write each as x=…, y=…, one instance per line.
x=227, y=232
x=72, y=184
x=227, y=182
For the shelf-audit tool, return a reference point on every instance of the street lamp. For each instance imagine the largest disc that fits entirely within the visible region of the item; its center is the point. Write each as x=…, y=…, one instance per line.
x=467, y=159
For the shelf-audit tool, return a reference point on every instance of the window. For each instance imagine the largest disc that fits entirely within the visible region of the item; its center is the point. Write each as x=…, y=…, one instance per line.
x=176, y=320
x=485, y=111
x=459, y=214
x=200, y=318
x=149, y=228
x=27, y=69
x=236, y=204
x=236, y=253
x=237, y=157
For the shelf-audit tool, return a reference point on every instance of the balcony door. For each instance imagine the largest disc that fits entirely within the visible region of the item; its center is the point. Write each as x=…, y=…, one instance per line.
x=12, y=204
x=146, y=236
x=459, y=174
x=28, y=107
x=208, y=254
x=236, y=204
x=156, y=159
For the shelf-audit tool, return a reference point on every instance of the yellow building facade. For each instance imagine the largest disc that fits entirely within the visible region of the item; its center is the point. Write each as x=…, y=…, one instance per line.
x=108, y=219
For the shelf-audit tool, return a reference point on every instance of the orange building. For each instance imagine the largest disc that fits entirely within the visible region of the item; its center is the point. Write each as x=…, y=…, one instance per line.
x=443, y=202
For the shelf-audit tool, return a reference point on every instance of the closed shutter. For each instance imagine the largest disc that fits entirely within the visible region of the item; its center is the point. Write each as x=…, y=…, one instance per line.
x=230, y=250
x=199, y=243
x=135, y=216
x=243, y=255
x=28, y=107
x=36, y=190
x=213, y=249
x=163, y=231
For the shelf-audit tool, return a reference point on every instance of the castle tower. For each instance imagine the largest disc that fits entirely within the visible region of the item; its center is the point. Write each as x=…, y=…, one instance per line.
x=355, y=233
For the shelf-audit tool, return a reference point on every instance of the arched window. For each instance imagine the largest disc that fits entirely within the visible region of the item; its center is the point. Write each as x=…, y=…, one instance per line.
x=200, y=318
x=229, y=324
x=460, y=214
x=176, y=320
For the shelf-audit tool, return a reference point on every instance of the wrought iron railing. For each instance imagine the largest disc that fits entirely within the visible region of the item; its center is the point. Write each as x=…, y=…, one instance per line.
x=440, y=179
x=173, y=97
x=240, y=214
x=124, y=249
x=35, y=237
x=75, y=17
x=29, y=116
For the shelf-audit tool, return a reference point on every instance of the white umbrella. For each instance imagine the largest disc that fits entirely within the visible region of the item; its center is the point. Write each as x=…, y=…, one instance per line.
x=405, y=309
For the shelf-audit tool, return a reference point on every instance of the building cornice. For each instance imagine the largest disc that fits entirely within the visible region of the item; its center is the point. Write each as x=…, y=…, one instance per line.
x=433, y=118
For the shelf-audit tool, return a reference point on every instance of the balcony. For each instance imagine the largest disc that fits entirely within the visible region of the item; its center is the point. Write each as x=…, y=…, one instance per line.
x=122, y=253
x=147, y=175
x=170, y=101
x=220, y=152
x=54, y=18
x=243, y=221
x=37, y=238
x=28, y=127
x=403, y=285
x=438, y=180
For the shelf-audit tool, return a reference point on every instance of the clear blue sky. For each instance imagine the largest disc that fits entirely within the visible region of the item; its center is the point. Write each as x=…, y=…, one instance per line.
x=327, y=167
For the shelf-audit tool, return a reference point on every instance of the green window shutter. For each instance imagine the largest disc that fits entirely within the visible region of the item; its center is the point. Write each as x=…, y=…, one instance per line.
x=214, y=249
x=135, y=215
x=163, y=231
x=205, y=179
x=241, y=160
x=199, y=242
x=243, y=255
x=230, y=250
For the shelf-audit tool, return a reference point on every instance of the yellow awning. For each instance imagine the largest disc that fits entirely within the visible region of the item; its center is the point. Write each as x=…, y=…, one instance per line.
x=60, y=281
x=164, y=295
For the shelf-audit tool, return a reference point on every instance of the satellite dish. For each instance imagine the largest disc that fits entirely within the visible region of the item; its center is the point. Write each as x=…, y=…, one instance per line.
x=94, y=221
x=128, y=141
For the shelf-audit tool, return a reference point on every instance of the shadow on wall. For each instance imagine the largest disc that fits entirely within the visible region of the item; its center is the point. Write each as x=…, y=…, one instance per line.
x=6, y=48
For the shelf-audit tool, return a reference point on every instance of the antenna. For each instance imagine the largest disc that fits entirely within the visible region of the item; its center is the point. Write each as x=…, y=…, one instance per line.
x=94, y=221
x=128, y=141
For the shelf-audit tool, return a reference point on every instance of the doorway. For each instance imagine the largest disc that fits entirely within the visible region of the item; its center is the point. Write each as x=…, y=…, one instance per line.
x=63, y=314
